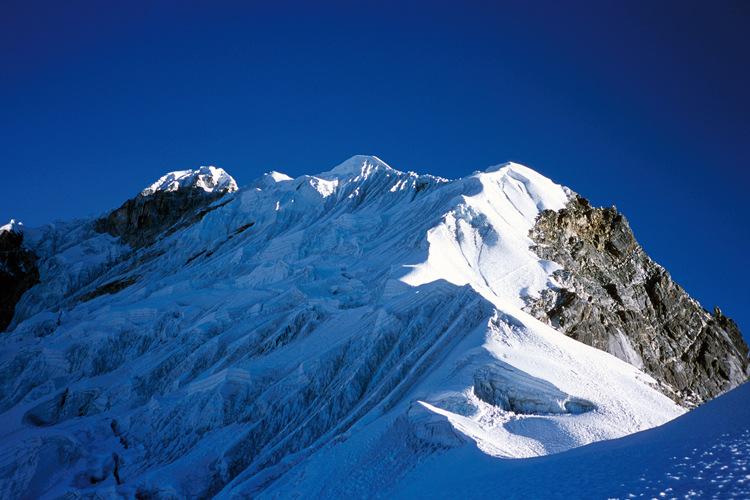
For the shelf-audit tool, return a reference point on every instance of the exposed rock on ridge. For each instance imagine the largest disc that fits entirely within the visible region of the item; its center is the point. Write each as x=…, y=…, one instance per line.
x=142, y=220
x=615, y=298
x=18, y=273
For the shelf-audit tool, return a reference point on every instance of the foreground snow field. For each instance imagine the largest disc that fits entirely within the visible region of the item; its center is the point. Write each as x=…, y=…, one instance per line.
x=353, y=334
x=703, y=454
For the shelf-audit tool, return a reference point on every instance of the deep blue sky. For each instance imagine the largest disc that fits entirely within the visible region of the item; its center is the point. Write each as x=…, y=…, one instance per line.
x=636, y=103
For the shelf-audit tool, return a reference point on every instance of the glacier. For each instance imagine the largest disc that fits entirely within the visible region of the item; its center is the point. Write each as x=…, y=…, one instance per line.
x=334, y=335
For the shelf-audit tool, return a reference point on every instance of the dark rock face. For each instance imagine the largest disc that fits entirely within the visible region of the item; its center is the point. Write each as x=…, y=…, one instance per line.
x=111, y=287
x=143, y=219
x=615, y=298
x=18, y=273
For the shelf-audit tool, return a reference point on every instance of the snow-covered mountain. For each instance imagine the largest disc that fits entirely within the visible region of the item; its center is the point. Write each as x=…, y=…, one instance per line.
x=208, y=179
x=332, y=336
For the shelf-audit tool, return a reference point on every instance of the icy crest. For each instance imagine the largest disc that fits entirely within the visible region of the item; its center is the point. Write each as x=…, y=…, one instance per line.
x=12, y=226
x=209, y=179
x=360, y=166
x=508, y=165
x=270, y=180
x=278, y=176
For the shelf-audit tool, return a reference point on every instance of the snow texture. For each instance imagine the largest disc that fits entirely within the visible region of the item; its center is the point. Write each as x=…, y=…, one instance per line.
x=12, y=226
x=330, y=336
x=703, y=454
x=209, y=179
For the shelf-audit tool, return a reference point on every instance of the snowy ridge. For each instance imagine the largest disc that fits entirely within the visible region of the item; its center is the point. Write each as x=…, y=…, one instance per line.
x=209, y=179
x=12, y=226
x=318, y=337
x=358, y=167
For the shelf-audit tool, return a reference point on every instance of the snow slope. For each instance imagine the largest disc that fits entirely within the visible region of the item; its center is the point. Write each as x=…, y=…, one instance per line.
x=321, y=336
x=703, y=454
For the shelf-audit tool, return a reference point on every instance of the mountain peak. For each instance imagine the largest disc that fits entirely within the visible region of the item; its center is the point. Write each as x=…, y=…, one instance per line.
x=12, y=226
x=511, y=165
x=209, y=179
x=357, y=165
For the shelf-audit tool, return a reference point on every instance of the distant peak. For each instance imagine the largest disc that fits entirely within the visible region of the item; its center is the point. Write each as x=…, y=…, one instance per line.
x=518, y=172
x=278, y=176
x=12, y=227
x=270, y=179
x=357, y=165
x=509, y=165
x=209, y=179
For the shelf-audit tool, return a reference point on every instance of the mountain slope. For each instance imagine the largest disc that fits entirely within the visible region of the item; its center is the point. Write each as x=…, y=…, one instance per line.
x=322, y=336
x=703, y=454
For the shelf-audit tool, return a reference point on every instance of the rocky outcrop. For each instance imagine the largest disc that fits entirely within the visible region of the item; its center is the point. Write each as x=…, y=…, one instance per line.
x=142, y=220
x=612, y=296
x=18, y=273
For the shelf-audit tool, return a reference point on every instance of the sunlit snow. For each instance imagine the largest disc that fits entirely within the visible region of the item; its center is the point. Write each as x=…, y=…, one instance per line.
x=12, y=226
x=703, y=454
x=209, y=179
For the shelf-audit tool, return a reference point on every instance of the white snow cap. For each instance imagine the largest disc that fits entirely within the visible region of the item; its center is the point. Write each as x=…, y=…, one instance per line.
x=269, y=180
x=12, y=226
x=360, y=165
x=278, y=176
x=209, y=179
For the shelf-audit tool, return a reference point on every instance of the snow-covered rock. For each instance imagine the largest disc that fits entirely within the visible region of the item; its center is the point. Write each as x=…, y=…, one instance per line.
x=209, y=179
x=318, y=337
x=12, y=226
x=612, y=296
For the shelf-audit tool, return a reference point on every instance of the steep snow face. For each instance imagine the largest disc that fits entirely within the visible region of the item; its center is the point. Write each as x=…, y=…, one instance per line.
x=316, y=337
x=483, y=240
x=71, y=256
x=209, y=179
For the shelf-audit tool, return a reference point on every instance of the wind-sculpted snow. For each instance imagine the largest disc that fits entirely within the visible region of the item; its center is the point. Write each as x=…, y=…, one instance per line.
x=71, y=256
x=322, y=336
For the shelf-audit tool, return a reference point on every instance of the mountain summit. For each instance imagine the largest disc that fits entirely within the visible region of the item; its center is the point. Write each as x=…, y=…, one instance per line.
x=331, y=336
x=209, y=179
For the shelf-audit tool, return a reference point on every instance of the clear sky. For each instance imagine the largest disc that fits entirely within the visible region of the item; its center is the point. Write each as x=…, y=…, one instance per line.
x=640, y=104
